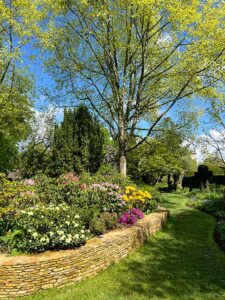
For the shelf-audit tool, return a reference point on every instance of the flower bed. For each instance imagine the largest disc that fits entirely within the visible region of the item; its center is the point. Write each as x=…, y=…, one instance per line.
x=212, y=202
x=63, y=213
x=26, y=274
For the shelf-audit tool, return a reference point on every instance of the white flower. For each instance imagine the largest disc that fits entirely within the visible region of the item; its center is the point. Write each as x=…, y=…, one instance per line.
x=68, y=240
x=35, y=234
x=30, y=213
x=76, y=225
x=77, y=217
x=63, y=237
x=67, y=222
x=82, y=236
x=76, y=236
x=43, y=239
x=82, y=231
x=60, y=232
x=51, y=233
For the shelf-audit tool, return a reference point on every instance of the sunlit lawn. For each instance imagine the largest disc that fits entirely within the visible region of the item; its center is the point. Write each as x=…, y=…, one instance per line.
x=182, y=262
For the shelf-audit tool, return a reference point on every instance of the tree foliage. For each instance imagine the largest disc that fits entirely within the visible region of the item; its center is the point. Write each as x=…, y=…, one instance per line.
x=164, y=154
x=134, y=60
x=213, y=139
x=78, y=143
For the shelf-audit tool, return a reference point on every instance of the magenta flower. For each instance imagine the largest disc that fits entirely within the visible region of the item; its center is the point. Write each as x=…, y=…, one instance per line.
x=131, y=216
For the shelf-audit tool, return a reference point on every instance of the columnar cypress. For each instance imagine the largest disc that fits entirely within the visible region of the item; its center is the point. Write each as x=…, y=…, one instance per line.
x=78, y=143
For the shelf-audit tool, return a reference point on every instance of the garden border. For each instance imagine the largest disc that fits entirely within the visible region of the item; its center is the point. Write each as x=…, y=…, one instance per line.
x=26, y=274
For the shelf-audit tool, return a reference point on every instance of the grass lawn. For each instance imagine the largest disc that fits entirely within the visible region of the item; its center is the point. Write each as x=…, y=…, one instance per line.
x=182, y=262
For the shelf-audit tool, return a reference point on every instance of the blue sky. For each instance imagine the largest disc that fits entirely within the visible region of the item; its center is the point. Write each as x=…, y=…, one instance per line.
x=43, y=80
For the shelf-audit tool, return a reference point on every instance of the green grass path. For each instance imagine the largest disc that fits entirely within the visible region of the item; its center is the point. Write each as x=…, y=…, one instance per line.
x=181, y=262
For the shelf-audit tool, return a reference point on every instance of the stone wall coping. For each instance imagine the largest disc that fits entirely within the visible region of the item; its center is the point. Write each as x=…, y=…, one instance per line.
x=23, y=259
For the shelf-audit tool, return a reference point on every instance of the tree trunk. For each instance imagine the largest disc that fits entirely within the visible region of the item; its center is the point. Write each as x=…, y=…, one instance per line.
x=123, y=164
x=169, y=182
x=122, y=148
x=178, y=178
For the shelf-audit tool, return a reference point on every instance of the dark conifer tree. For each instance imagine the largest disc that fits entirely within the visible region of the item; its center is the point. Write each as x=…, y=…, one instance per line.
x=78, y=143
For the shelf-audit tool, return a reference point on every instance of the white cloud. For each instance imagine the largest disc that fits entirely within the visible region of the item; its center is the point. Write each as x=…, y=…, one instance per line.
x=207, y=143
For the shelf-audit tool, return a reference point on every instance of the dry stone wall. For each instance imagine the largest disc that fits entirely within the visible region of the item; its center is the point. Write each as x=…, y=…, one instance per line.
x=26, y=274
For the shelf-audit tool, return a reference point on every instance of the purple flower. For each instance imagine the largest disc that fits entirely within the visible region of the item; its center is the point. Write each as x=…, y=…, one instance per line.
x=130, y=217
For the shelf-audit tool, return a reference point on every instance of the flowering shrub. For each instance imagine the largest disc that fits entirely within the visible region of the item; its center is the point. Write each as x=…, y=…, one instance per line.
x=42, y=213
x=111, y=199
x=42, y=228
x=130, y=217
x=68, y=178
x=142, y=200
x=14, y=196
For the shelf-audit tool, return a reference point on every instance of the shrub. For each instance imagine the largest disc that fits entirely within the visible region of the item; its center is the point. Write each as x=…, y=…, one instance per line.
x=137, y=198
x=209, y=201
x=50, y=227
x=14, y=196
x=97, y=226
x=156, y=195
x=112, y=177
x=130, y=217
x=110, y=219
x=40, y=214
x=211, y=206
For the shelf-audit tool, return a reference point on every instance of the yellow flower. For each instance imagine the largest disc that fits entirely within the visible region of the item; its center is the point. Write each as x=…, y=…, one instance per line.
x=125, y=198
x=131, y=188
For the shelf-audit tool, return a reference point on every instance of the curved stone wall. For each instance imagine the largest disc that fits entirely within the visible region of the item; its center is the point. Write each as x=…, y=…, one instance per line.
x=26, y=274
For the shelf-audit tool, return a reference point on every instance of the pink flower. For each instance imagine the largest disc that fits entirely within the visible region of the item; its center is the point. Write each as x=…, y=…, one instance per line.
x=71, y=176
x=27, y=193
x=83, y=186
x=29, y=182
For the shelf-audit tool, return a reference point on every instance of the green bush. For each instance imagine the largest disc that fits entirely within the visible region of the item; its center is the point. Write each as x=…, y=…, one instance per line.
x=209, y=201
x=97, y=226
x=40, y=214
x=110, y=219
x=52, y=227
x=153, y=191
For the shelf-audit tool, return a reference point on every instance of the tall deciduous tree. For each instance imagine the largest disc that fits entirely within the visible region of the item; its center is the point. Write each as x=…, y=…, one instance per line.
x=136, y=60
x=214, y=138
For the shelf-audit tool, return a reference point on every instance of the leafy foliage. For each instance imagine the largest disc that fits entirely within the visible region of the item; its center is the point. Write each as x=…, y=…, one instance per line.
x=138, y=60
x=77, y=143
x=161, y=155
x=59, y=213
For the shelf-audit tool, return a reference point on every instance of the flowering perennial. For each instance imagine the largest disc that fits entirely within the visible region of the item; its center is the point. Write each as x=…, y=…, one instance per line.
x=130, y=217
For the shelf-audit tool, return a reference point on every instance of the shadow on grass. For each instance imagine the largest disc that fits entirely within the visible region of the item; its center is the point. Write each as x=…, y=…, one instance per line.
x=180, y=263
